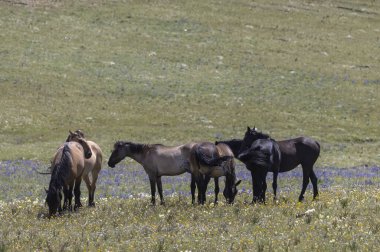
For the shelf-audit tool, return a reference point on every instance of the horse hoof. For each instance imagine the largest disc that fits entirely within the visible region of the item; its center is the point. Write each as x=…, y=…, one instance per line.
x=162, y=204
x=91, y=204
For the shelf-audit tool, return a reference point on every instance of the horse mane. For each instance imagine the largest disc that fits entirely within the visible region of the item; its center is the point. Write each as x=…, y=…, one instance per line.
x=234, y=144
x=61, y=169
x=137, y=147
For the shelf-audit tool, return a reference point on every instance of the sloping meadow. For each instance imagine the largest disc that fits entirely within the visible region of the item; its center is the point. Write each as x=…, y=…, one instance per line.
x=172, y=72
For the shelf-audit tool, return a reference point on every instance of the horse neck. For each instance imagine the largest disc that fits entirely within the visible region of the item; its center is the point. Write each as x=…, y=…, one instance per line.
x=230, y=178
x=230, y=173
x=235, y=145
x=139, y=152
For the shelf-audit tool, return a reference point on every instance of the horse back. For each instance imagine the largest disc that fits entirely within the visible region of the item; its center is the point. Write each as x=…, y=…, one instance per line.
x=224, y=150
x=168, y=161
x=301, y=150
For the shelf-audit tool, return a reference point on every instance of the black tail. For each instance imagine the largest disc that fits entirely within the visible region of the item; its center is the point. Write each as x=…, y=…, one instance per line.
x=62, y=169
x=210, y=161
x=257, y=158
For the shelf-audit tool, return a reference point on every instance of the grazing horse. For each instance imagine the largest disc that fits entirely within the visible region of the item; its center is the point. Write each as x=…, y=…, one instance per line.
x=67, y=169
x=262, y=156
x=157, y=160
x=301, y=150
x=209, y=160
x=92, y=165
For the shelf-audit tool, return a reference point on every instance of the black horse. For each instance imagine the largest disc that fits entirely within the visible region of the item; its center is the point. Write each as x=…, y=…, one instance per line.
x=262, y=156
x=300, y=150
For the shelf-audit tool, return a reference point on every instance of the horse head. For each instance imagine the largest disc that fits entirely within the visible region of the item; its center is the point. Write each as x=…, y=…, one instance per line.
x=53, y=199
x=230, y=191
x=119, y=152
x=250, y=136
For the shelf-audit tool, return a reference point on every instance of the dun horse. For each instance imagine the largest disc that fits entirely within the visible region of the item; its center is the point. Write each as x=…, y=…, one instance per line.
x=209, y=160
x=263, y=155
x=301, y=150
x=92, y=165
x=157, y=161
x=67, y=169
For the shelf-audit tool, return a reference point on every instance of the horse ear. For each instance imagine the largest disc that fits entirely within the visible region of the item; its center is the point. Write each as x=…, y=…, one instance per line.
x=46, y=190
x=248, y=128
x=238, y=183
x=71, y=133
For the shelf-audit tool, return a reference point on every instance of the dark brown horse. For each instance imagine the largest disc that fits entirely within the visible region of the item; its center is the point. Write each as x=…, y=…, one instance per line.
x=208, y=160
x=67, y=169
x=92, y=165
x=302, y=150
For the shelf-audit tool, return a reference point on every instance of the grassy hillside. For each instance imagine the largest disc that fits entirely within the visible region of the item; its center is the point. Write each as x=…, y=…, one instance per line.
x=175, y=71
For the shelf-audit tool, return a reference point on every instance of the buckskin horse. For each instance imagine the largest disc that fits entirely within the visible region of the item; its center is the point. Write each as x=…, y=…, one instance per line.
x=67, y=169
x=92, y=165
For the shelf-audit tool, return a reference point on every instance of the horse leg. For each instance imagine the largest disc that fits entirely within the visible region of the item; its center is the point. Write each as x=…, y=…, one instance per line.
x=305, y=182
x=216, y=181
x=153, y=190
x=264, y=189
x=205, y=184
x=159, y=187
x=93, y=187
x=60, y=200
x=274, y=184
x=88, y=184
x=314, y=181
x=68, y=194
x=77, y=204
x=192, y=188
x=254, y=190
x=199, y=182
x=65, y=198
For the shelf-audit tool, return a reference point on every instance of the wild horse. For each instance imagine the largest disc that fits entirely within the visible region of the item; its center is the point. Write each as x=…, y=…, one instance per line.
x=262, y=156
x=209, y=160
x=301, y=150
x=92, y=165
x=158, y=160
x=67, y=169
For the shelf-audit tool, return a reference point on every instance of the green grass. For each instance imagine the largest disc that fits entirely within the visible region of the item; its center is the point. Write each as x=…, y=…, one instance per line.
x=173, y=72
x=335, y=222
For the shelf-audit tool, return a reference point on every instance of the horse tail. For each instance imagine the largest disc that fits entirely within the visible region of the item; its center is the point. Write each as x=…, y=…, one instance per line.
x=319, y=148
x=62, y=169
x=257, y=158
x=210, y=161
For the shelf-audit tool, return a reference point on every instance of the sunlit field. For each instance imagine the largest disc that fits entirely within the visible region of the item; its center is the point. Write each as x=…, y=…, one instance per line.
x=345, y=217
x=173, y=72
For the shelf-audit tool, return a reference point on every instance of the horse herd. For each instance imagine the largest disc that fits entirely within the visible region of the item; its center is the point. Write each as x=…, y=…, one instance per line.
x=78, y=157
